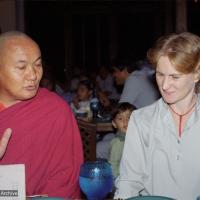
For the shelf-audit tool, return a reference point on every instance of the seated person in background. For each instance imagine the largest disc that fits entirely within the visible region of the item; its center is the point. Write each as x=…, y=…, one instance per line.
x=103, y=143
x=107, y=104
x=68, y=96
x=121, y=116
x=78, y=74
x=105, y=83
x=48, y=80
x=139, y=89
x=45, y=137
x=71, y=87
x=59, y=87
x=82, y=99
x=47, y=83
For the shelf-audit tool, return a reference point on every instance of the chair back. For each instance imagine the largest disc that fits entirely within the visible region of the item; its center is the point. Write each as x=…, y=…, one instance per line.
x=88, y=134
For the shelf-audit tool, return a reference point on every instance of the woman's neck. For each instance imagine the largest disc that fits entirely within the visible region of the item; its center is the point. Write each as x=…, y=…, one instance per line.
x=182, y=106
x=182, y=111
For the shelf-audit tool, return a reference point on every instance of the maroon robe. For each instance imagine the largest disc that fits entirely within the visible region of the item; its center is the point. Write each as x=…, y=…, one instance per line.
x=46, y=139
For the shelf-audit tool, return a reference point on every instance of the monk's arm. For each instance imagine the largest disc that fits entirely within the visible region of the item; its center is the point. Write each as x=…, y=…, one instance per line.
x=4, y=141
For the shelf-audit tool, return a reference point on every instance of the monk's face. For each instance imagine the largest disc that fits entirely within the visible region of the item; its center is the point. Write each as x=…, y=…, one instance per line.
x=20, y=70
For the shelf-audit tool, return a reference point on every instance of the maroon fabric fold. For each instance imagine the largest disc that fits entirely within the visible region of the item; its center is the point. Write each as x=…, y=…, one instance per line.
x=47, y=140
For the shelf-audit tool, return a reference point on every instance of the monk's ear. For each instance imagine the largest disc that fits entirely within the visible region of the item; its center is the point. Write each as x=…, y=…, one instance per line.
x=197, y=75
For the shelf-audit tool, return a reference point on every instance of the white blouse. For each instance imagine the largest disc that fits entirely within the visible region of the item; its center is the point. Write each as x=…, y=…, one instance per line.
x=155, y=160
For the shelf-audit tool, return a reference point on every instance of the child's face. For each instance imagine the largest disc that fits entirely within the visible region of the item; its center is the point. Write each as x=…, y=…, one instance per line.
x=120, y=122
x=103, y=99
x=83, y=93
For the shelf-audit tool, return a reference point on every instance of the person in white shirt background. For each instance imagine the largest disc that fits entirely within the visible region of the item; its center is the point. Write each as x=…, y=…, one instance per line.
x=162, y=143
x=105, y=83
x=139, y=89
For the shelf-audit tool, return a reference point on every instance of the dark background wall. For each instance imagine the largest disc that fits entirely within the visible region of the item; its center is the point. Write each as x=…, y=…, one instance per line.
x=82, y=33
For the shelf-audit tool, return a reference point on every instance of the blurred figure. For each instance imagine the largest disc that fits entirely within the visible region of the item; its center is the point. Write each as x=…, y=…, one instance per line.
x=106, y=104
x=48, y=80
x=78, y=75
x=105, y=83
x=139, y=89
x=83, y=97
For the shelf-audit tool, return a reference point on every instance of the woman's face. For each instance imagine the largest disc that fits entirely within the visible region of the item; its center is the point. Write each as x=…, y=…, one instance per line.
x=83, y=93
x=174, y=86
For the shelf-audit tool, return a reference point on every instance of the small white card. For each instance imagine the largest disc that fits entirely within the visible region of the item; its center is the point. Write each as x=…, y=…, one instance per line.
x=12, y=182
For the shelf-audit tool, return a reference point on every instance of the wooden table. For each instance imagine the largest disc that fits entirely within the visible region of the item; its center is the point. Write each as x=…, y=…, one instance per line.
x=102, y=127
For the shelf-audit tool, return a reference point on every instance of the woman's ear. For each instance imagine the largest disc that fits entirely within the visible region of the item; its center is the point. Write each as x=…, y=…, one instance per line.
x=197, y=75
x=114, y=124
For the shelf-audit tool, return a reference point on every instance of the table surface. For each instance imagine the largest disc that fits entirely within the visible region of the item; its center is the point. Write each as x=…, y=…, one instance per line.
x=101, y=125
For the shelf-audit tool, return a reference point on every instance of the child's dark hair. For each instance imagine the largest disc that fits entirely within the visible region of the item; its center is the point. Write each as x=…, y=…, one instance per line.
x=88, y=84
x=122, y=107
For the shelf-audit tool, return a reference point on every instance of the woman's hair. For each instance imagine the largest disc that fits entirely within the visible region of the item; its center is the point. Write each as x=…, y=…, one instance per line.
x=183, y=51
x=122, y=107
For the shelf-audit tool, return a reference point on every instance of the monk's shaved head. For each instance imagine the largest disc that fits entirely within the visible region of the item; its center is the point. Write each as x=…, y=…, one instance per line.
x=13, y=37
